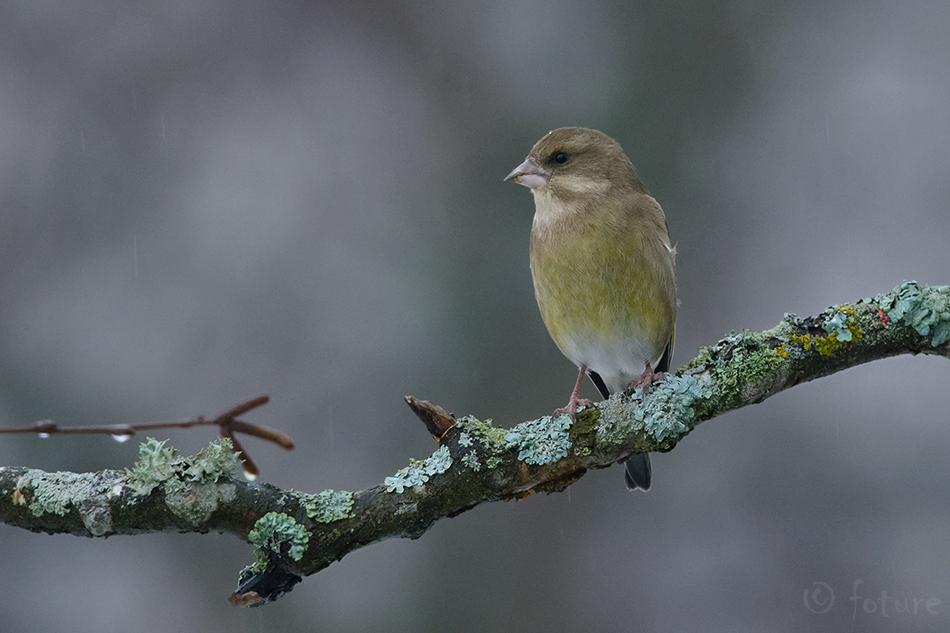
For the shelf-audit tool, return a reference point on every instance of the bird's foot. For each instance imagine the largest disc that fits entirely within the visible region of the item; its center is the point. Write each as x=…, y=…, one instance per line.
x=575, y=400
x=571, y=407
x=646, y=379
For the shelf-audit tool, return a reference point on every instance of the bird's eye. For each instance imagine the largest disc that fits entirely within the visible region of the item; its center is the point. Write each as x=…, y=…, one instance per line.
x=560, y=158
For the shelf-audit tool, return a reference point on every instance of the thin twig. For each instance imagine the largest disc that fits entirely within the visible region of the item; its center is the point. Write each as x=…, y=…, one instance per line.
x=226, y=421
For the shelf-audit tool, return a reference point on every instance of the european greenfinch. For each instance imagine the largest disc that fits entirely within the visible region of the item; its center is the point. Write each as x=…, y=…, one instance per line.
x=602, y=265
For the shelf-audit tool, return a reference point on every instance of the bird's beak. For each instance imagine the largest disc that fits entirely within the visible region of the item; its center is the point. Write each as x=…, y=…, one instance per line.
x=529, y=173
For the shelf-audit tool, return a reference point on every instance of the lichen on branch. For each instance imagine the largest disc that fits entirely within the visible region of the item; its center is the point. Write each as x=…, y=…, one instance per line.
x=297, y=534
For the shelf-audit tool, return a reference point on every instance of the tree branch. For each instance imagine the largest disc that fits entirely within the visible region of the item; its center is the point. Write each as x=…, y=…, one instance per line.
x=297, y=534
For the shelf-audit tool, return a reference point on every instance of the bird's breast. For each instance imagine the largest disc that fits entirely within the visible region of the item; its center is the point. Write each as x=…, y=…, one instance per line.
x=607, y=299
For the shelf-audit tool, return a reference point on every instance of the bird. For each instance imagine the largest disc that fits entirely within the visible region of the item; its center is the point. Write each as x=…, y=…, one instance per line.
x=603, y=267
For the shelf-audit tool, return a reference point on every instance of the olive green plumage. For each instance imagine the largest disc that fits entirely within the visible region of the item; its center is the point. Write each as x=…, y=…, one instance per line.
x=602, y=263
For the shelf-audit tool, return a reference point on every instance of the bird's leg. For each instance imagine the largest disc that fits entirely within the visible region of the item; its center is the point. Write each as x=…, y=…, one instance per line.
x=576, y=400
x=647, y=378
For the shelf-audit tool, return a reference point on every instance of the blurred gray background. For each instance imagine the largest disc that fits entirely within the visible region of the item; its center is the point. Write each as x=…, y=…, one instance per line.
x=207, y=200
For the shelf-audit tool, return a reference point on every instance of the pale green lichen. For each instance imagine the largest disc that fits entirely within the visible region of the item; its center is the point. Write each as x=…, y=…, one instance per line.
x=417, y=473
x=470, y=459
x=158, y=464
x=256, y=568
x=542, y=441
x=667, y=413
x=926, y=309
x=155, y=465
x=53, y=493
x=279, y=533
x=747, y=372
x=489, y=438
x=839, y=324
x=328, y=506
x=194, y=486
x=617, y=419
x=194, y=501
x=408, y=477
x=705, y=357
x=439, y=462
x=215, y=462
x=482, y=430
x=60, y=492
x=792, y=320
x=842, y=327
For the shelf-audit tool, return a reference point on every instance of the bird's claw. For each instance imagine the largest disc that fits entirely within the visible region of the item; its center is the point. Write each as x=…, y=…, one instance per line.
x=646, y=379
x=571, y=407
